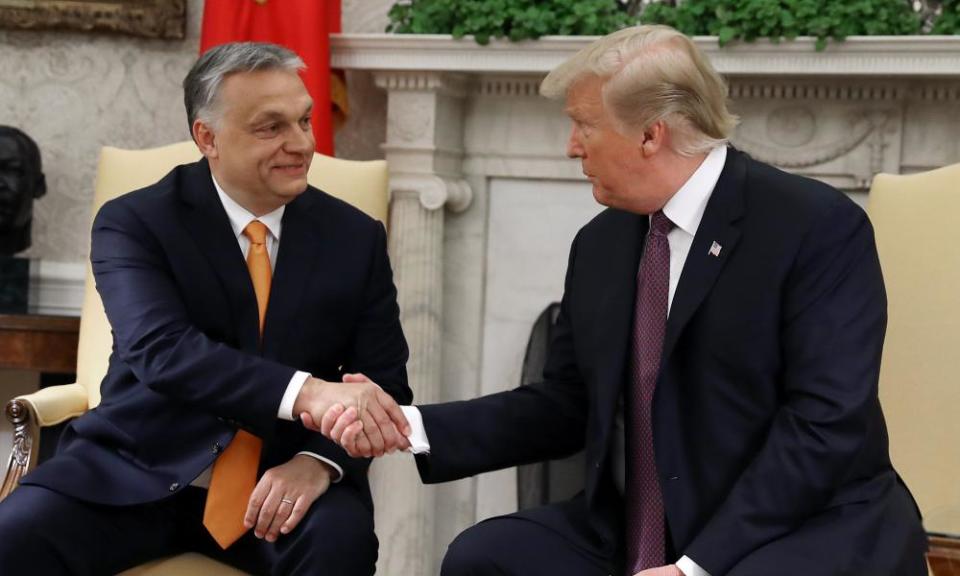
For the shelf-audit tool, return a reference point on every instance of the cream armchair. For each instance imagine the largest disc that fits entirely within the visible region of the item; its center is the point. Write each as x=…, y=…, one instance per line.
x=919, y=243
x=363, y=184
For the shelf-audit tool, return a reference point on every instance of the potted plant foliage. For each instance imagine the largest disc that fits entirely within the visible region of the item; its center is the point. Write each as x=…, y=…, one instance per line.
x=728, y=20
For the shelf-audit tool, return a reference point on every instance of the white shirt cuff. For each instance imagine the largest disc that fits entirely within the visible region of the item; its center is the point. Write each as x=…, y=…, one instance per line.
x=290, y=396
x=333, y=464
x=690, y=568
x=418, y=438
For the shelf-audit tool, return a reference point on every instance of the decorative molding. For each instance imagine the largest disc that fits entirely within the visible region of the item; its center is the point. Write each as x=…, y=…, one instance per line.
x=410, y=122
x=777, y=149
x=422, y=81
x=434, y=192
x=56, y=287
x=938, y=92
x=149, y=18
x=509, y=86
x=884, y=56
x=773, y=88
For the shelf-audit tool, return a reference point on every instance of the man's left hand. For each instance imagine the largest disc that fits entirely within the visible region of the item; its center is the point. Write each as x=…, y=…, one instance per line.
x=284, y=494
x=670, y=570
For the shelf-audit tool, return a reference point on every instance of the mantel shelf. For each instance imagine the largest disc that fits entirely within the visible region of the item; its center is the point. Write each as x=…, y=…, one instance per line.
x=876, y=56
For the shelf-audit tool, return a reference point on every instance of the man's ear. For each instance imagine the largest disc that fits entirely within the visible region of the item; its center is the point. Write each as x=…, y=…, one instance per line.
x=654, y=138
x=205, y=138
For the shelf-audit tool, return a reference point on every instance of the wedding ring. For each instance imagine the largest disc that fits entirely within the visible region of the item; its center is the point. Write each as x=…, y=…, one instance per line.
x=287, y=500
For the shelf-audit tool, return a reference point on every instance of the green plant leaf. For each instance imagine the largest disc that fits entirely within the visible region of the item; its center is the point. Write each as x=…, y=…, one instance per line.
x=729, y=20
x=726, y=34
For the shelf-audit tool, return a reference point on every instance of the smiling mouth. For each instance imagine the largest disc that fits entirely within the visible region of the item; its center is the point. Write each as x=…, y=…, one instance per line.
x=294, y=168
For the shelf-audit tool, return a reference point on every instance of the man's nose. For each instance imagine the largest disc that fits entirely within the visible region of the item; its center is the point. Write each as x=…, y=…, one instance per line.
x=301, y=142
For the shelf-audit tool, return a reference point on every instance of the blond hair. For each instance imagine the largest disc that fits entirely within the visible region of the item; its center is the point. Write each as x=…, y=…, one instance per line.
x=653, y=73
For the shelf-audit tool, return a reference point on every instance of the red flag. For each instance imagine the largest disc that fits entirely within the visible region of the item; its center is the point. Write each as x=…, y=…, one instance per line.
x=303, y=26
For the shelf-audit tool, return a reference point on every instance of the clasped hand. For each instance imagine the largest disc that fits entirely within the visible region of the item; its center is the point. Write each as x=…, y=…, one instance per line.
x=356, y=414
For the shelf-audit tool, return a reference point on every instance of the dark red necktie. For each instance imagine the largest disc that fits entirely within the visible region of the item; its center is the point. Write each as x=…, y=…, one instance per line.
x=644, y=514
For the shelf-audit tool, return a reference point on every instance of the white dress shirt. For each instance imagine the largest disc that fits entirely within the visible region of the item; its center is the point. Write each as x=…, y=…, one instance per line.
x=239, y=218
x=685, y=209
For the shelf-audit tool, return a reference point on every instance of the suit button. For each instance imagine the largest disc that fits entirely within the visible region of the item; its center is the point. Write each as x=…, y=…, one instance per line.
x=596, y=464
x=175, y=486
x=217, y=448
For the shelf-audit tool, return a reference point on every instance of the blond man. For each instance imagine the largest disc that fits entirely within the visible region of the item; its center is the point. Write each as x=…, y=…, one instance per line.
x=716, y=355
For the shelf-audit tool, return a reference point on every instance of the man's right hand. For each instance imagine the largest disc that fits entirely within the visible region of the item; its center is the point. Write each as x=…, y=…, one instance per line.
x=377, y=420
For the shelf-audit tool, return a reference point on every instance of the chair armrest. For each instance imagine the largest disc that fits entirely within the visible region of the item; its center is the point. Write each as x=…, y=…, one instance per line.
x=55, y=404
x=28, y=414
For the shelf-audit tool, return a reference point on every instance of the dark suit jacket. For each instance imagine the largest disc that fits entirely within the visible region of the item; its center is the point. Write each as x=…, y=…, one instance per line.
x=188, y=367
x=766, y=418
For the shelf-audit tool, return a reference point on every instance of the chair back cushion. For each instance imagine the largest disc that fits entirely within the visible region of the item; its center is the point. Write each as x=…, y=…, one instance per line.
x=363, y=184
x=919, y=244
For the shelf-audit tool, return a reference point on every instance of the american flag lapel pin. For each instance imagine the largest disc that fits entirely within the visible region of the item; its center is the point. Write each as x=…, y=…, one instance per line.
x=715, y=249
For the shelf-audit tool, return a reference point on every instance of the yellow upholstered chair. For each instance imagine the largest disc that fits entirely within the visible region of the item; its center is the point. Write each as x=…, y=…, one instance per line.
x=915, y=217
x=363, y=184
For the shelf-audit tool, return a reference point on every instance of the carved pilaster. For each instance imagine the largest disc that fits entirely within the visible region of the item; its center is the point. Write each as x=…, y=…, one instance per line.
x=424, y=149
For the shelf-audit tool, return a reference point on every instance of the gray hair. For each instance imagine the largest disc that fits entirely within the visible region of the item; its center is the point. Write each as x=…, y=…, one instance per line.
x=201, y=87
x=653, y=73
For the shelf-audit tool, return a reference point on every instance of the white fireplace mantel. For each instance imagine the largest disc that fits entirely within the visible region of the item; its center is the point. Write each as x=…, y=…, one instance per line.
x=883, y=56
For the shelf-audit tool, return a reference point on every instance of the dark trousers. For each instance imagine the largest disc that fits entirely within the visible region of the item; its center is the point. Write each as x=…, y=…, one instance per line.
x=44, y=532
x=548, y=540
x=840, y=541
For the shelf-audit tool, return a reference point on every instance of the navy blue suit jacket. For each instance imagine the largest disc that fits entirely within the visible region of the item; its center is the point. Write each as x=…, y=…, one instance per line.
x=770, y=441
x=188, y=367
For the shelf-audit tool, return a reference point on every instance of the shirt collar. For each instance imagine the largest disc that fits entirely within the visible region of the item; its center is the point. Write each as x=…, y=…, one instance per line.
x=685, y=208
x=240, y=216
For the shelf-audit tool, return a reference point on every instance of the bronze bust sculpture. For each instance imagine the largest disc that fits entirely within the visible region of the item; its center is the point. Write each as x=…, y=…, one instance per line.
x=21, y=181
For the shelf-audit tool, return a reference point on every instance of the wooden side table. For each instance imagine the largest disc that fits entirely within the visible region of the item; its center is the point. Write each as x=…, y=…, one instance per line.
x=944, y=556
x=42, y=343
x=45, y=344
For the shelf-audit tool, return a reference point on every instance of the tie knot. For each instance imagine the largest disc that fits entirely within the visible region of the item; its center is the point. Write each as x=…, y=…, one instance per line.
x=256, y=231
x=660, y=224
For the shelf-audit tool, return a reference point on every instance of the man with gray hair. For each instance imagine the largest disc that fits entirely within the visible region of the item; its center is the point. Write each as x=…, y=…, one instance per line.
x=716, y=353
x=238, y=297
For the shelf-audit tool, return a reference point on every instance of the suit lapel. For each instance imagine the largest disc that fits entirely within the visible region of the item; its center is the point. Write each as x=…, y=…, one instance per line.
x=208, y=224
x=299, y=252
x=702, y=266
x=613, y=320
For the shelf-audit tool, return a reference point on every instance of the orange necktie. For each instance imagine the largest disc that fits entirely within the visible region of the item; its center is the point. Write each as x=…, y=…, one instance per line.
x=235, y=471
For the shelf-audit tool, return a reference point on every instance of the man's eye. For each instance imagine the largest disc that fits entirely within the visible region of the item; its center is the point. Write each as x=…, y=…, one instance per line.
x=305, y=122
x=268, y=130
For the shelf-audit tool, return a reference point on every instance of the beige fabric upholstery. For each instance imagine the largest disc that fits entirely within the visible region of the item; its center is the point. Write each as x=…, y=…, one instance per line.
x=58, y=403
x=363, y=184
x=919, y=243
x=191, y=564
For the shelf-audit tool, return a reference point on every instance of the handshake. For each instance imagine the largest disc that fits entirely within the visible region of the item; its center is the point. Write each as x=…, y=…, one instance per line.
x=356, y=414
